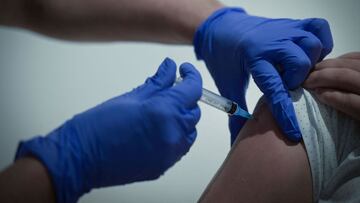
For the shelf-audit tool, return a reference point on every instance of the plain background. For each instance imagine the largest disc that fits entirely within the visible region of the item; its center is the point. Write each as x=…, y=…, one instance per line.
x=44, y=81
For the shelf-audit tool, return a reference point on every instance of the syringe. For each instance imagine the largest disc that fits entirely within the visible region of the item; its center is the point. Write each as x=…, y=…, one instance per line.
x=221, y=103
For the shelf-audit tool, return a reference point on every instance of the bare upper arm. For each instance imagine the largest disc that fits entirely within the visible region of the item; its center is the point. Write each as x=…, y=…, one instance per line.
x=262, y=166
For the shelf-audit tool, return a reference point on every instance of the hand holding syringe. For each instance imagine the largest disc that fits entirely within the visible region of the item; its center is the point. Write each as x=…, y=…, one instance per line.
x=221, y=103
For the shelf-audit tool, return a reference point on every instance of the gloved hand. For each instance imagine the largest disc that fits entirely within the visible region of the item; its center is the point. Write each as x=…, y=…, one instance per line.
x=234, y=44
x=133, y=137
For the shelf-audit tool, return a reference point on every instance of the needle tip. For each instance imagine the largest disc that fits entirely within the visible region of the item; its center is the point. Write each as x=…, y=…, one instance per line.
x=241, y=112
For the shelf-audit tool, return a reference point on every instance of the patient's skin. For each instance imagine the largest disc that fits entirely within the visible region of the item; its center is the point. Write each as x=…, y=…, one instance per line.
x=262, y=166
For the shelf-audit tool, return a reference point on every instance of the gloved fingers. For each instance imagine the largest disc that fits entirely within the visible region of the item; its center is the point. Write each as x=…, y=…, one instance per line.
x=189, y=90
x=187, y=119
x=191, y=137
x=295, y=63
x=278, y=99
x=164, y=76
x=162, y=79
x=195, y=114
x=237, y=122
x=235, y=125
x=311, y=45
x=321, y=29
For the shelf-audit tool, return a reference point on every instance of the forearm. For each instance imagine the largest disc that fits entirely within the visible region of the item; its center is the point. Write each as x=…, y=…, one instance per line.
x=26, y=181
x=168, y=21
x=10, y=12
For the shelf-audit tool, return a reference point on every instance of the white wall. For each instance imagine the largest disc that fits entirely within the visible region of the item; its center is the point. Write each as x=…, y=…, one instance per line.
x=43, y=82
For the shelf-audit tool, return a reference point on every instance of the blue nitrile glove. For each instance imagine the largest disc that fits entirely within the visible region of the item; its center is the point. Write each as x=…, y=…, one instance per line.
x=234, y=44
x=133, y=137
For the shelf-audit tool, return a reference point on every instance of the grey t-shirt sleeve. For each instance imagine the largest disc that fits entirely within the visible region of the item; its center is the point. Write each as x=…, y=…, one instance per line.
x=332, y=142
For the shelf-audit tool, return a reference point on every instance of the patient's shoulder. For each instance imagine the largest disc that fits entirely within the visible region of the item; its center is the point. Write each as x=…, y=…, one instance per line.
x=262, y=166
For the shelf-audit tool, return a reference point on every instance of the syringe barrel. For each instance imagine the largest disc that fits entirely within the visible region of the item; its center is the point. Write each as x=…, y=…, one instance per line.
x=214, y=100
x=217, y=101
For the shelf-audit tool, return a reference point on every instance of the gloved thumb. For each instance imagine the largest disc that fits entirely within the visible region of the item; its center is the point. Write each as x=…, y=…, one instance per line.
x=268, y=80
x=235, y=125
x=189, y=90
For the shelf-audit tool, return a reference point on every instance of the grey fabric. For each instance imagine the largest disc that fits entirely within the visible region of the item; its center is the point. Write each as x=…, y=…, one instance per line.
x=332, y=142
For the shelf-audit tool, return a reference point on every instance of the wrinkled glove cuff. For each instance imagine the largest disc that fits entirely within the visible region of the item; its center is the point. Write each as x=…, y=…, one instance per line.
x=55, y=157
x=202, y=30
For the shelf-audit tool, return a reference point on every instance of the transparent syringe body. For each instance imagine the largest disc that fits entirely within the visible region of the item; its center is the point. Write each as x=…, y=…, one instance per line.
x=221, y=103
x=218, y=102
